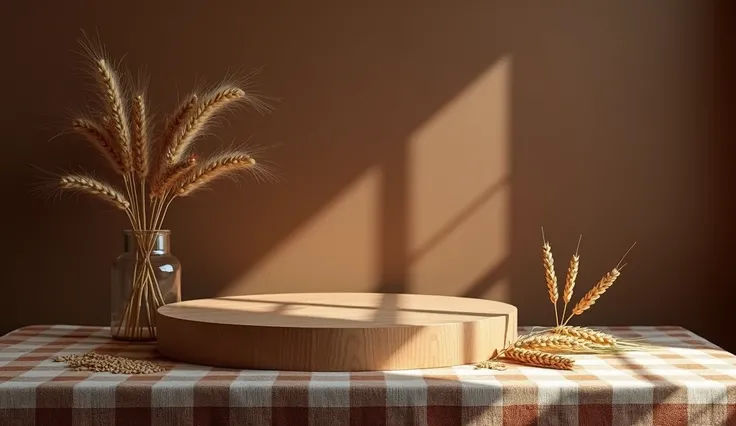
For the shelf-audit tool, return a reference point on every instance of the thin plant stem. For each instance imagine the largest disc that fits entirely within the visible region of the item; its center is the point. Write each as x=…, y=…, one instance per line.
x=564, y=310
x=136, y=275
x=133, y=201
x=128, y=304
x=151, y=331
x=143, y=203
x=563, y=313
x=138, y=292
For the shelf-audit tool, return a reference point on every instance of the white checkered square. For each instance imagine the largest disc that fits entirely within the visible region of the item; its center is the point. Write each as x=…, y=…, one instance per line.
x=18, y=394
x=42, y=374
x=176, y=388
x=96, y=393
x=172, y=394
x=557, y=392
x=706, y=392
x=632, y=392
x=405, y=388
x=8, y=357
x=482, y=392
x=253, y=393
x=329, y=390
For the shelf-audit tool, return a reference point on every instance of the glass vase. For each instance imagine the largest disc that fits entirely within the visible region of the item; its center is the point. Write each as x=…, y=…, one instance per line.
x=144, y=277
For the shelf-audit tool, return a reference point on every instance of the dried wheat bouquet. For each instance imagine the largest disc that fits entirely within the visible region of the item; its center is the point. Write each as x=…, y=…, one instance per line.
x=155, y=162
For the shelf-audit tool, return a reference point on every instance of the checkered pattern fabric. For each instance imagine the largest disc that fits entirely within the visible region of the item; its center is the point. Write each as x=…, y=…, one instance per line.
x=684, y=380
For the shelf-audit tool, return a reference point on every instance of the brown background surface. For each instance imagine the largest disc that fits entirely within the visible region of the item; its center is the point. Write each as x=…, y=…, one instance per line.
x=421, y=144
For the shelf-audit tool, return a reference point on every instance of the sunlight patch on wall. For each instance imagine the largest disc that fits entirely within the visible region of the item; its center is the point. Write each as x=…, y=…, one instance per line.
x=459, y=197
x=334, y=251
x=476, y=246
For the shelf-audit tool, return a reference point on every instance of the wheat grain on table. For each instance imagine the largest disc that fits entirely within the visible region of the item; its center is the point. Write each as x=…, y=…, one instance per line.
x=683, y=380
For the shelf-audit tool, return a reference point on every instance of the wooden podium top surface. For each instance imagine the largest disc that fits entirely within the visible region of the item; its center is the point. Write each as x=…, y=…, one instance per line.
x=337, y=310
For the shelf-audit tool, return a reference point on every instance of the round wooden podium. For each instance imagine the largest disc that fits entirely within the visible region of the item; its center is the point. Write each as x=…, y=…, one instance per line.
x=334, y=331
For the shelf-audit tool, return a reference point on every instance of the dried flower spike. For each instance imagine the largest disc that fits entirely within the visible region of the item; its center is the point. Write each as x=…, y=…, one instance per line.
x=101, y=140
x=550, y=277
x=198, y=118
x=216, y=167
x=92, y=186
x=554, y=342
x=164, y=141
x=589, y=299
x=588, y=334
x=113, y=95
x=572, y=274
x=174, y=173
x=539, y=359
x=140, y=138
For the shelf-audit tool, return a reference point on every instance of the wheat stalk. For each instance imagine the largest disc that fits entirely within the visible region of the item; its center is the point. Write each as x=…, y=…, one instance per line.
x=197, y=120
x=114, y=105
x=594, y=293
x=98, y=136
x=550, y=277
x=173, y=174
x=141, y=149
x=167, y=136
x=572, y=274
x=587, y=334
x=218, y=166
x=178, y=118
x=554, y=342
x=539, y=359
x=92, y=186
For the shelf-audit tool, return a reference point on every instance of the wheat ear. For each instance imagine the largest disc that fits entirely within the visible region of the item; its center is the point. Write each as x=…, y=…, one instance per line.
x=539, y=359
x=550, y=277
x=218, y=166
x=197, y=120
x=572, y=275
x=554, y=342
x=141, y=148
x=179, y=116
x=587, y=334
x=594, y=293
x=92, y=186
x=173, y=174
x=115, y=107
x=98, y=136
x=173, y=123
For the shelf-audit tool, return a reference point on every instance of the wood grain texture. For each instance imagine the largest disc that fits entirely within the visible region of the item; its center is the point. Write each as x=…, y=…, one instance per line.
x=334, y=331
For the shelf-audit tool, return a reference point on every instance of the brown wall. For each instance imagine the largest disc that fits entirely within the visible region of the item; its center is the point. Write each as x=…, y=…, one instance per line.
x=422, y=146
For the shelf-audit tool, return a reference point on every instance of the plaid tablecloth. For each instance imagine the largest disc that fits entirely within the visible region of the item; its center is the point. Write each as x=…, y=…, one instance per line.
x=686, y=380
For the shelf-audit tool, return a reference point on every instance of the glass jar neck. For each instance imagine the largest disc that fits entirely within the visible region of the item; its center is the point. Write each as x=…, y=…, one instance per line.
x=158, y=241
